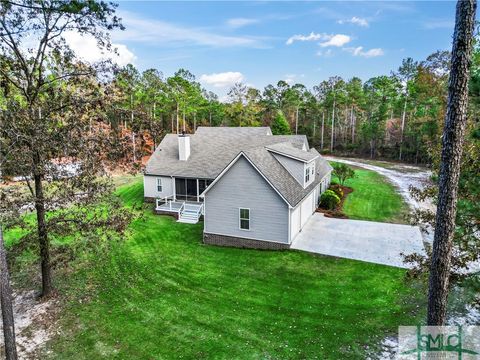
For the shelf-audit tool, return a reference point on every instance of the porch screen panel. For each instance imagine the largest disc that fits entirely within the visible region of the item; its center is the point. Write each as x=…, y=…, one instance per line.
x=192, y=189
x=181, y=189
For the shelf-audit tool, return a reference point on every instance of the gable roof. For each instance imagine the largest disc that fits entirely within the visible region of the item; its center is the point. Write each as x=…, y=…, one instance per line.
x=287, y=149
x=213, y=150
x=278, y=177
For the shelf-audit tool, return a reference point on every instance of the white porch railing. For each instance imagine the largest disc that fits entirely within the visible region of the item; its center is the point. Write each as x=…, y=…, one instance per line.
x=181, y=207
x=165, y=203
x=191, y=213
x=187, y=211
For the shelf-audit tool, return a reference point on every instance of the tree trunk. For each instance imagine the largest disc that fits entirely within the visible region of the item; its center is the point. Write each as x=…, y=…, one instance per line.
x=353, y=125
x=131, y=123
x=134, y=147
x=323, y=128
x=177, y=118
x=296, y=122
x=47, y=287
x=7, y=308
x=402, y=128
x=183, y=126
x=452, y=142
x=333, y=126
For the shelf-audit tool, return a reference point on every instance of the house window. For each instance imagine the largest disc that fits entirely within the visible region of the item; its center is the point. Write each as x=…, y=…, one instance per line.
x=307, y=175
x=159, y=185
x=244, y=219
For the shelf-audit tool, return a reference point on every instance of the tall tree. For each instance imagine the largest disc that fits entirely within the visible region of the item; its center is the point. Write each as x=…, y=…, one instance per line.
x=452, y=143
x=405, y=73
x=6, y=302
x=51, y=100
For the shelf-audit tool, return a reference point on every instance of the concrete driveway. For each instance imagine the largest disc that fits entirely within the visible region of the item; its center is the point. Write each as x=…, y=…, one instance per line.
x=380, y=243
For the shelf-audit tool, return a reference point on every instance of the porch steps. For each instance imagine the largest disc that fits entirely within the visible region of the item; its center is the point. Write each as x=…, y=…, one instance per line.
x=189, y=216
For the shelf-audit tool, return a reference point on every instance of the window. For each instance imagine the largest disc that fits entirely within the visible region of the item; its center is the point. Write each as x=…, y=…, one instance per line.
x=159, y=185
x=309, y=173
x=244, y=219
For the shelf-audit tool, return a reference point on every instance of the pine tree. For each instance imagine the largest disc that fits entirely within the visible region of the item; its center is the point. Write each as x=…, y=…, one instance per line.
x=280, y=124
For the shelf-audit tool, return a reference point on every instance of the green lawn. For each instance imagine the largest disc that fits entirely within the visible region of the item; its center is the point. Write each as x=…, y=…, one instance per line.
x=373, y=198
x=162, y=294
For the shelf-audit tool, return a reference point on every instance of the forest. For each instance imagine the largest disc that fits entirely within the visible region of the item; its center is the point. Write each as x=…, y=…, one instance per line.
x=396, y=116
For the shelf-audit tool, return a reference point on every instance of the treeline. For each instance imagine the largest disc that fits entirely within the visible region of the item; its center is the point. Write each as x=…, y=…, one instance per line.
x=396, y=116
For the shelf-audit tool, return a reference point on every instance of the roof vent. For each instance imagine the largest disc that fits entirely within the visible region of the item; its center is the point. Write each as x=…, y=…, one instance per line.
x=183, y=147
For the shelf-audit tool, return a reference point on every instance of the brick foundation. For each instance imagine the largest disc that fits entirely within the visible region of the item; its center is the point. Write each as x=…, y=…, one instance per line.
x=149, y=199
x=232, y=241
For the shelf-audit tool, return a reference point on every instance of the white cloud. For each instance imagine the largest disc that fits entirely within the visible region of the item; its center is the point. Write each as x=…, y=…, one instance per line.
x=160, y=32
x=292, y=78
x=85, y=47
x=326, y=53
x=240, y=22
x=358, y=51
x=356, y=21
x=311, y=37
x=337, y=40
x=224, y=79
x=328, y=39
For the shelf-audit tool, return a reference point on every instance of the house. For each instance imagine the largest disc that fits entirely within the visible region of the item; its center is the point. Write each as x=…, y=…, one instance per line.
x=254, y=189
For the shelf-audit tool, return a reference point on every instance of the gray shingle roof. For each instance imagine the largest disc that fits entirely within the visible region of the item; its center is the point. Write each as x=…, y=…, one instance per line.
x=281, y=179
x=212, y=149
x=287, y=149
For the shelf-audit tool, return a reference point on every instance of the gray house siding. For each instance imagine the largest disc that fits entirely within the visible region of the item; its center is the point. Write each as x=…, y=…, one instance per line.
x=150, y=186
x=294, y=167
x=243, y=187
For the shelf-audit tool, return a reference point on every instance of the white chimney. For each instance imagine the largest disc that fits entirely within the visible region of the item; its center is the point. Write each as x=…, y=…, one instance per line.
x=183, y=147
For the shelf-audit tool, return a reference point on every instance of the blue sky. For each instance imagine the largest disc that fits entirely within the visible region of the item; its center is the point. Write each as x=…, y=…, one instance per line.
x=262, y=42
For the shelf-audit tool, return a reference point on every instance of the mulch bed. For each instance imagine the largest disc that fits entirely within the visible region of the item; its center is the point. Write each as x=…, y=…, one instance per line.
x=337, y=212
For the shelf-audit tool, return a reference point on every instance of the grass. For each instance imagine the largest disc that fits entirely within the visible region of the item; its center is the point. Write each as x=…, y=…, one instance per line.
x=373, y=198
x=163, y=294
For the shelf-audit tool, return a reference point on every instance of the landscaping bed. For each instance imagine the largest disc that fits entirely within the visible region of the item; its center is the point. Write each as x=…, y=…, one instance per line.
x=338, y=211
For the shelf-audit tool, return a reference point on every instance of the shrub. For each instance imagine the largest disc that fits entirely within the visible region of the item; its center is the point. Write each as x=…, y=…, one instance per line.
x=343, y=172
x=337, y=189
x=329, y=200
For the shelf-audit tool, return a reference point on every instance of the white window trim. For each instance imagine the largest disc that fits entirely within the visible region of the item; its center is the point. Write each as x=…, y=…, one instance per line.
x=307, y=175
x=159, y=183
x=240, y=219
x=310, y=168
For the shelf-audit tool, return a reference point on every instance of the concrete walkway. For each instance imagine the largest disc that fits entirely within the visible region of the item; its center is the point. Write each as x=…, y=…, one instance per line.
x=380, y=243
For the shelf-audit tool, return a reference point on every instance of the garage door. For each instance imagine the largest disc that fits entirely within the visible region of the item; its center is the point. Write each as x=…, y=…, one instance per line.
x=307, y=208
